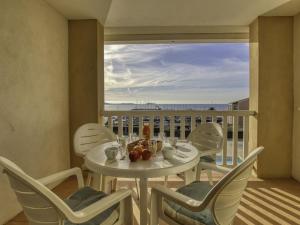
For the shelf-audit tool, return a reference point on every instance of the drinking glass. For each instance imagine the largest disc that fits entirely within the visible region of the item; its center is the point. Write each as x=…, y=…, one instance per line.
x=162, y=136
x=133, y=137
x=153, y=147
x=123, y=141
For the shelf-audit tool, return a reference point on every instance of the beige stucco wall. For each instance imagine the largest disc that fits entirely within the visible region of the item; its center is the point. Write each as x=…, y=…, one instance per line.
x=86, y=58
x=296, y=142
x=271, y=94
x=254, y=91
x=34, y=130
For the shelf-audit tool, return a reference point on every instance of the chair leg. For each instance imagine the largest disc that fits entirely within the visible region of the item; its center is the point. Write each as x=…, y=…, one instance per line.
x=103, y=183
x=96, y=181
x=128, y=215
x=198, y=172
x=108, y=184
x=89, y=179
x=166, y=181
x=114, y=185
x=209, y=175
x=189, y=176
x=137, y=188
x=154, y=208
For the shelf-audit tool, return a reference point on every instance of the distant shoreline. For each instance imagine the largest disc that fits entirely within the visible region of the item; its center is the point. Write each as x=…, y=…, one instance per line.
x=147, y=106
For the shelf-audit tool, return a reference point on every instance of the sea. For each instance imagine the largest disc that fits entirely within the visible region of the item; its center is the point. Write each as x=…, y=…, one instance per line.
x=149, y=106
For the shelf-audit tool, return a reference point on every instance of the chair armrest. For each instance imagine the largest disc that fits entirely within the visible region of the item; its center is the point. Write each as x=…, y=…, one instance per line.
x=98, y=207
x=62, y=176
x=185, y=201
x=212, y=166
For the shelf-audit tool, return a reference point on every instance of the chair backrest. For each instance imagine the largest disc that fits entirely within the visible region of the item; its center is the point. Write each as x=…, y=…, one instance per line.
x=41, y=206
x=225, y=197
x=90, y=135
x=207, y=136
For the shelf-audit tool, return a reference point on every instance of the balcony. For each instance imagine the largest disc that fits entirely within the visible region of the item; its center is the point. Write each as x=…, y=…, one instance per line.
x=52, y=82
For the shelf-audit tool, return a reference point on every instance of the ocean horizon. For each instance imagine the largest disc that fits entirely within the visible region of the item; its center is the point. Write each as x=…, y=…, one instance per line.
x=148, y=106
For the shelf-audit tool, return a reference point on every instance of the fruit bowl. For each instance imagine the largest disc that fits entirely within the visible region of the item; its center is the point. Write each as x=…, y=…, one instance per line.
x=139, y=150
x=131, y=145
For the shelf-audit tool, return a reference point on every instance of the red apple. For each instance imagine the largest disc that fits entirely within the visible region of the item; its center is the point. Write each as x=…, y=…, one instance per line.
x=146, y=154
x=134, y=156
x=139, y=149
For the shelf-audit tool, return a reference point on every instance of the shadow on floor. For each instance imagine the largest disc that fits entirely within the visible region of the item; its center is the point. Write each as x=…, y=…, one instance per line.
x=264, y=202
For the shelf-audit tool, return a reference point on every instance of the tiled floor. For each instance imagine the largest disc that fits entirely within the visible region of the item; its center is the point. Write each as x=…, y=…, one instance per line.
x=265, y=201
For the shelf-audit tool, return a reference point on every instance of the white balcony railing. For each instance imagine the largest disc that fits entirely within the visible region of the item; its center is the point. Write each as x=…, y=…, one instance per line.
x=179, y=123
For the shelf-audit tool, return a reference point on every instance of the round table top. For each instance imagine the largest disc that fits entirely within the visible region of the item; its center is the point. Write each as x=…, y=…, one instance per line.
x=185, y=158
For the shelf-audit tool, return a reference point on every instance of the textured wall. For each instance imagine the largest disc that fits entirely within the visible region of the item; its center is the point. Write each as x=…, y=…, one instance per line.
x=271, y=93
x=296, y=147
x=34, y=130
x=86, y=57
x=254, y=72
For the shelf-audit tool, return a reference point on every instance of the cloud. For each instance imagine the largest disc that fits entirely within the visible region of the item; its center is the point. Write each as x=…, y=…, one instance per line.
x=176, y=73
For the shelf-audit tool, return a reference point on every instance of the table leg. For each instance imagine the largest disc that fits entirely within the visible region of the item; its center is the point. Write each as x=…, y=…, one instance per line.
x=137, y=188
x=103, y=183
x=143, y=201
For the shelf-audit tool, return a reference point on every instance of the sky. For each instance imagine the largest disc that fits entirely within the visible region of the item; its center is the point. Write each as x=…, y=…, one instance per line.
x=214, y=73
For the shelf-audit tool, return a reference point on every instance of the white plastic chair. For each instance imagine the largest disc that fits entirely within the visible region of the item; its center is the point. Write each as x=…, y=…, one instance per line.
x=88, y=136
x=42, y=206
x=201, y=203
x=207, y=138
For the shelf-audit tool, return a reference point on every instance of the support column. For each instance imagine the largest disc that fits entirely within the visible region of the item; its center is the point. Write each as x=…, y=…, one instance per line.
x=271, y=94
x=296, y=129
x=86, y=76
x=100, y=70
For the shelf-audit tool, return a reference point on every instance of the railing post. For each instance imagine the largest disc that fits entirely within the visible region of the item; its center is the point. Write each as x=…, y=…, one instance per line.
x=140, y=126
x=246, y=136
x=203, y=118
x=225, y=127
x=172, y=126
x=151, y=121
x=130, y=127
x=235, y=140
x=193, y=123
x=214, y=118
x=162, y=124
x=182, y=127
x=120, y=126
x=109, y=122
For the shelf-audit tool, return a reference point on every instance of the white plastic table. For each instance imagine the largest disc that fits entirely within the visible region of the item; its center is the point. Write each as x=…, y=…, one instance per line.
x=183, y=161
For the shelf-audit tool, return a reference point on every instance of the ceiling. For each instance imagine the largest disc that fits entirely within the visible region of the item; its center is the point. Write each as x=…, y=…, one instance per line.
x=82, y=9
x=187, y=12
x=290, y=8
x=174, y=16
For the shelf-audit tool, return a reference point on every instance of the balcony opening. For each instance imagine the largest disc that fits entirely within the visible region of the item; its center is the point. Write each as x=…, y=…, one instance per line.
x=203, y=82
